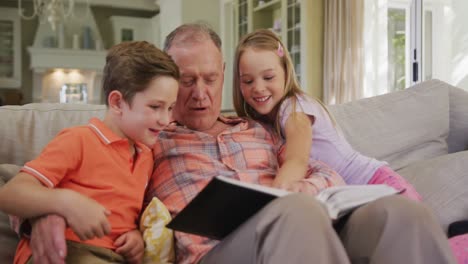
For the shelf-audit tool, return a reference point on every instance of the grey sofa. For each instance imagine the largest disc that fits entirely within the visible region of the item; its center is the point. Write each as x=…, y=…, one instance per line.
x=422, y=132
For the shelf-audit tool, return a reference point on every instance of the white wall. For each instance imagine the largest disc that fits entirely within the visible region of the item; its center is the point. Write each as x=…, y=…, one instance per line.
x=202, y=10
x=173, y=13
x=170, y=17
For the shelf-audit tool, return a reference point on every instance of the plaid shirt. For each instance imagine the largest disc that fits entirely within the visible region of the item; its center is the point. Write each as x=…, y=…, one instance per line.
x=186, y=160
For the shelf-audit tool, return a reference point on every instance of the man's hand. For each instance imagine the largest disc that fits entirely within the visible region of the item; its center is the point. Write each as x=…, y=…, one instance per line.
x=131, y=246
x=48, y=240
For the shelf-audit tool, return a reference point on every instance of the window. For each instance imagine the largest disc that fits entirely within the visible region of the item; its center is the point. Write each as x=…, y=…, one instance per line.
x=408, y=41
x=396, y=37
x=10, y=48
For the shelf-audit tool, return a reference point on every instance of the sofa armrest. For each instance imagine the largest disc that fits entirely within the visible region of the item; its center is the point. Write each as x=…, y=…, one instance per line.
x=458, y=136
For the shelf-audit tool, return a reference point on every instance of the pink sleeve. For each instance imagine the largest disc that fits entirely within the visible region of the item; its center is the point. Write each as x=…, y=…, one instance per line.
x=385, y=175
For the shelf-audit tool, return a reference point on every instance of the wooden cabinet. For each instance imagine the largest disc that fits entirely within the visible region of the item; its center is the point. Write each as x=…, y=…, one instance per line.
x=10, y=48
x=299, y=23
x=133, y=28
x=284, y=17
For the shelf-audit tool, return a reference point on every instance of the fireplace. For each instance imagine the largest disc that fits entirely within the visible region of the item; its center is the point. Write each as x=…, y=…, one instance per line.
x=53, y=67
x=64, y=62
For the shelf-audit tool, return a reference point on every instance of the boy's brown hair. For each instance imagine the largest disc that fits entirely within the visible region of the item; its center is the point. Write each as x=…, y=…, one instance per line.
x=131, y=66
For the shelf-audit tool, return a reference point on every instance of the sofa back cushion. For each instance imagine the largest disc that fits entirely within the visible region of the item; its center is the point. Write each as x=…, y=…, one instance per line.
x=26, y=129
x=401, y=127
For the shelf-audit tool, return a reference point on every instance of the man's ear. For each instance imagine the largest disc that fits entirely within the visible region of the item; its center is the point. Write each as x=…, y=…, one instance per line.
x=115, y=100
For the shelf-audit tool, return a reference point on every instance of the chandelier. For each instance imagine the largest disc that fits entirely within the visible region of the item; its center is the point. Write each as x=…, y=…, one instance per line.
x=52, y=11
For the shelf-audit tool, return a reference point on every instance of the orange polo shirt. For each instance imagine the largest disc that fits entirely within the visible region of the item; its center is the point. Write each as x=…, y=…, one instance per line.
x=94, y=161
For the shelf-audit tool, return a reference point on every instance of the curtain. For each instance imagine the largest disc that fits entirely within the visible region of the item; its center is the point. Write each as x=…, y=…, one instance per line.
x=343, y=51
x=376, y=61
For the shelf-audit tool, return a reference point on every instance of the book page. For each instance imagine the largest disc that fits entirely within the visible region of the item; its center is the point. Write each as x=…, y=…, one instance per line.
x=340, y=200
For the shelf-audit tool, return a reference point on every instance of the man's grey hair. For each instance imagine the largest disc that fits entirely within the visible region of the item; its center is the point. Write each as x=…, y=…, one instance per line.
x=191, y=33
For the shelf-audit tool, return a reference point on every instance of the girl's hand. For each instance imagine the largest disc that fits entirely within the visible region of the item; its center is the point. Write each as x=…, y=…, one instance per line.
x=289, y=185
x=86, y=217
x=131, y=246
x=284, y=183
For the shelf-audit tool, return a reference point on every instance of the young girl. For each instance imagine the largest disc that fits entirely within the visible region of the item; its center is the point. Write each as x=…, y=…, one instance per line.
x=266, y=89
x=264, y=82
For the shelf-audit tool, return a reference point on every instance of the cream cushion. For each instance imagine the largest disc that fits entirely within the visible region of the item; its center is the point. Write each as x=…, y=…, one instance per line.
x=159, y=240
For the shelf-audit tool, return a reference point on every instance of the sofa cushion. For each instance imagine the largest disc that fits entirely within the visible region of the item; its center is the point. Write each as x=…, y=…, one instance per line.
x=442, y=182
x=401, y=127
x=8, y=238
x=7, y=171
x=30, y=127
x=458, y=137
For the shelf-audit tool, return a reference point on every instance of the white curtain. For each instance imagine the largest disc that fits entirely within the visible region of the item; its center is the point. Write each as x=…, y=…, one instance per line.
x=343, y=51
x=376, y=48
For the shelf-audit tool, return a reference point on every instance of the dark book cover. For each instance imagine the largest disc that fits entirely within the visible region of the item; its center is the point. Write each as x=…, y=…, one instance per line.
x=220, y=208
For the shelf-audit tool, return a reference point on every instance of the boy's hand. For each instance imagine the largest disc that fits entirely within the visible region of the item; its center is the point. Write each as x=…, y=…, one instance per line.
x=131, y=246
x=85, y=216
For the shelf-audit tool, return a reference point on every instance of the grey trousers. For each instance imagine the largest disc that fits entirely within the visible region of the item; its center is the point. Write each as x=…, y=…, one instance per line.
x=296, y=229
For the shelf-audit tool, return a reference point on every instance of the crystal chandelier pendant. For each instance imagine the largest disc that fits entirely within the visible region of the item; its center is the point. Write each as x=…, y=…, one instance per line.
x=51, y=11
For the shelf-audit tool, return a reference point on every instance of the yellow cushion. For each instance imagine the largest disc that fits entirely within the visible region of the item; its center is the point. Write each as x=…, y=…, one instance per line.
x=159, y=240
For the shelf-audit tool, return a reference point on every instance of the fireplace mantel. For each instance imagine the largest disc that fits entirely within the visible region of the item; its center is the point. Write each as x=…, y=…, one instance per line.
x=43, y=59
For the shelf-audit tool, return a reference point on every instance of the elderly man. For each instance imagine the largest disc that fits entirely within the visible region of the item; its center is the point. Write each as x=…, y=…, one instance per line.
x=292, y=229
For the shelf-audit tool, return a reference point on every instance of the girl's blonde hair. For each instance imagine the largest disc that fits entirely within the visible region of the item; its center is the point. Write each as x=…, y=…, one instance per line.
x=264, y=39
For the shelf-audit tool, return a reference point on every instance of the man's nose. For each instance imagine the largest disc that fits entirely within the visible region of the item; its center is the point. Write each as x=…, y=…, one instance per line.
x=199, y=92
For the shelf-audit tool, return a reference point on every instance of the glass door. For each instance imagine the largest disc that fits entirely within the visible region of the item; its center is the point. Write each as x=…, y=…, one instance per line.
x=387, y=37
x=445, y=41
x=293, y=28
x=409, y=41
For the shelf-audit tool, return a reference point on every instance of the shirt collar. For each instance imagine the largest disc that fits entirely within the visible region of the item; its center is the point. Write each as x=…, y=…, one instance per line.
x=107, y=136
x=104, y=133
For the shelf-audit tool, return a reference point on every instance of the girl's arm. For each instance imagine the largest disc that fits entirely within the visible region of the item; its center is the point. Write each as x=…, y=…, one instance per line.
x=26, y=197
x=298, y=135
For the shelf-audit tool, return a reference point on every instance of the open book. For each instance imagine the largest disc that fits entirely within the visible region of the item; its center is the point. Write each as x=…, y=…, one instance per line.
x=225, y=203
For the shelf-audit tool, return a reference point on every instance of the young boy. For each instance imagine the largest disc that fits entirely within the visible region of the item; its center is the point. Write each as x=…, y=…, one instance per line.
x=95, y=175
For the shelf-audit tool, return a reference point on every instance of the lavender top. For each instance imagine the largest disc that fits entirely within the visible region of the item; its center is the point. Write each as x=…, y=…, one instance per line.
x=328, y=143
